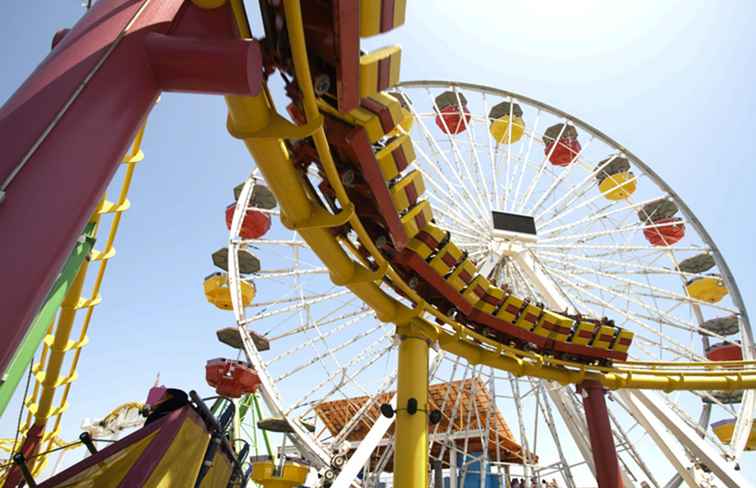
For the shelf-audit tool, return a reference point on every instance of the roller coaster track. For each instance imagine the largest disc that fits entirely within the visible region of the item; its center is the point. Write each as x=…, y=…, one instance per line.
x=255, y=122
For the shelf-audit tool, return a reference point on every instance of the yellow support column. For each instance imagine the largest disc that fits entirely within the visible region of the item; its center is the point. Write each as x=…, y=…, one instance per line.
x=411, y=438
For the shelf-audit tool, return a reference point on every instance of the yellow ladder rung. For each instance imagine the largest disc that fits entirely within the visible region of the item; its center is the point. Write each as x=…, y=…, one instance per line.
x=133, y=158
x=67, y=379
x=78, y=344
x=88, y=302
x=106, y=206
x=58, y=410
x=47, y=436
x=32, y=407
x=50, y=340
x=97, y=255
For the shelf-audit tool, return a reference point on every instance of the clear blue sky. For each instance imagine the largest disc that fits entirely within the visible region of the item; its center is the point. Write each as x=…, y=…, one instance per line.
x=672, y=80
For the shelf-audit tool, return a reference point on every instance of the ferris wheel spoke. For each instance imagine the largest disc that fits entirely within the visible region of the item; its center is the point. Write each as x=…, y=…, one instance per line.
x=302, y=303
x=311, y=342
x=434, y=146
x=362, y=313
x=523, y=158
x=555, y=184
x=575, y=192
x=286, y=273
x=458, y=158
x=545, y=230
x=480, y=182
x=664, y=342
x=448, y=188
x=659, y=315
x=270, y=242
x=656, y=292
x=329, y=351
x=343, y=372
x=588, y=236
x=362, y=416
x=539, y=172
x=557, y=178
x=570, y=209
x=449, y=212
x=493, y=194
x=630, y=267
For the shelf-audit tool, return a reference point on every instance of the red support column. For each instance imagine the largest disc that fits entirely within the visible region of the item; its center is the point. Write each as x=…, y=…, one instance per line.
x=600, y=431
x=65, y=130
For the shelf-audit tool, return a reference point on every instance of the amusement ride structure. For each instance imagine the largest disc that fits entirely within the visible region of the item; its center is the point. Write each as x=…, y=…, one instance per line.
x=431, y=281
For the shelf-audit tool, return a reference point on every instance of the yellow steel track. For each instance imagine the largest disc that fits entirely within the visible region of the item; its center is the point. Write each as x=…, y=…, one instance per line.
x=255, y=121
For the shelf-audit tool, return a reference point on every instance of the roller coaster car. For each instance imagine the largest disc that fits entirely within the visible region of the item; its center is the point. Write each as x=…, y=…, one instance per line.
x=561, y=144
x=332, y=30
x=231, y=378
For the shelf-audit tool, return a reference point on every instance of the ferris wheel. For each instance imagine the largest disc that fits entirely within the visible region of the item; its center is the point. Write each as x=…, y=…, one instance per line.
x=549, y=209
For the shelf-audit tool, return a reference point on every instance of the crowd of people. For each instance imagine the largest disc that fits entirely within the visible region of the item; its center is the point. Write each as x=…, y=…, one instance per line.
x=522, y=483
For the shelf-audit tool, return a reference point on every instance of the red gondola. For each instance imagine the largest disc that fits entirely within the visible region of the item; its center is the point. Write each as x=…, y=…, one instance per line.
x=561, y=144
x=255, y=224
x=724, y=352
x=452, y=113
x=665, y=232
x=231, y=378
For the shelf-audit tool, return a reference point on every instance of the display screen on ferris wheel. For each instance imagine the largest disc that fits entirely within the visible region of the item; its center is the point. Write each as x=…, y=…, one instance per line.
x=424, y=283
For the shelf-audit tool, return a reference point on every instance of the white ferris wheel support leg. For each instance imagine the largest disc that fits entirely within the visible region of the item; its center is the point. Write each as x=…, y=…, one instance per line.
x=655, y=428
x=698, y=447
x=682, y=432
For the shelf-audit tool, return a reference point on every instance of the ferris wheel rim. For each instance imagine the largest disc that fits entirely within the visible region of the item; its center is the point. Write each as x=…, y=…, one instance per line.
x=748, y=401
x=728, y=276
x=746, y=331
x=254, y=354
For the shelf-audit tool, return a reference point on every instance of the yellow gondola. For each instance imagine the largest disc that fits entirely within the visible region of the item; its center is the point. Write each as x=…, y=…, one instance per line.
x=507, y=126
x=615, y=180
x=725, y=428
x=709, y=289
x=218, y=293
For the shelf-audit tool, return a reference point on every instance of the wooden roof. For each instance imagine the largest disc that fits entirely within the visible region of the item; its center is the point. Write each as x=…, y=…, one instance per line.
x=467, y=413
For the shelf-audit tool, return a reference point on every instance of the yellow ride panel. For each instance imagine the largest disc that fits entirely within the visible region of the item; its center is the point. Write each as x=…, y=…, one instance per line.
x=529, y=317
x=476, y=290
x=491, y=300
x=372, y=13
x=510, y=309
x=447, y=258
x=395, y=157
x=406, y=191
x=371, y=67
x=416, y=218
x=420, y=243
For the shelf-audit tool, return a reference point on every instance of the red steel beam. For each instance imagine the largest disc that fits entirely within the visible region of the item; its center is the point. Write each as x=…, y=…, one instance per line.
x=600, y=432
x=66, y=128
